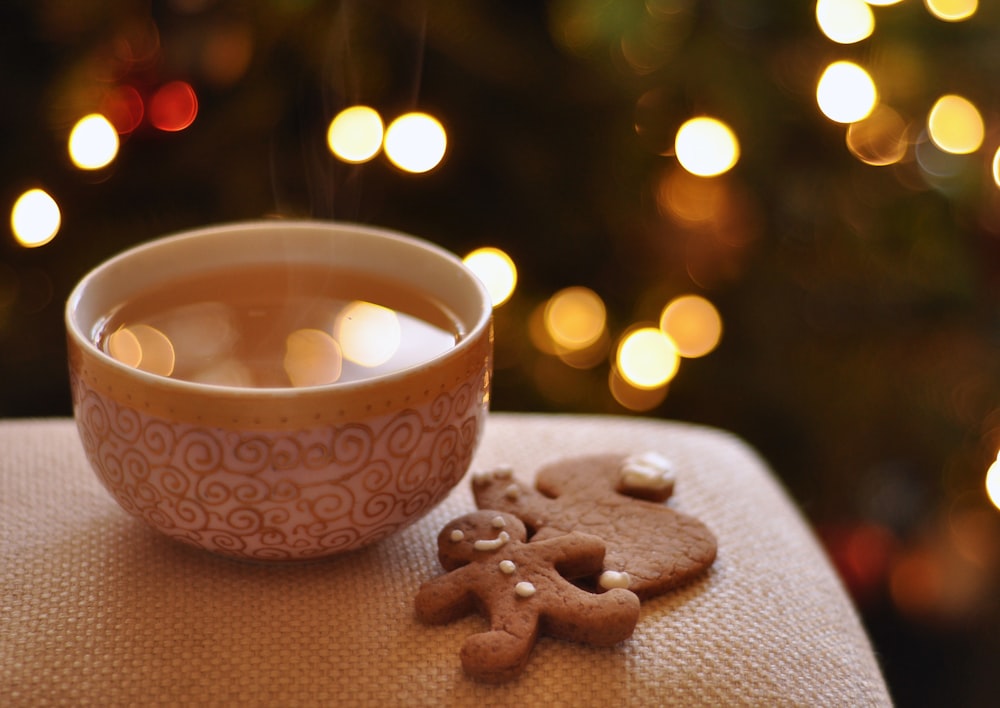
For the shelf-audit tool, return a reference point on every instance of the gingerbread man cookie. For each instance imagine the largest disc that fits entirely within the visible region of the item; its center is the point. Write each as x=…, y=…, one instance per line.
x=651, y=548
x=523, y=589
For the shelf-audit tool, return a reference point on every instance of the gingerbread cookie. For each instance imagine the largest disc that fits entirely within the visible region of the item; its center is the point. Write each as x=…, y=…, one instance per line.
x=650, y=547
x=523, y=589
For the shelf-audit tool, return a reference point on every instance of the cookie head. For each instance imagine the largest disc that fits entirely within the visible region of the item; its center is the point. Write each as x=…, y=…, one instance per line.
x=476, y=535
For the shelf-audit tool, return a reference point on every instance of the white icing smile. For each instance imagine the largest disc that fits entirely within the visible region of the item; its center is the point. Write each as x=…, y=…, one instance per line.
x=484, y=544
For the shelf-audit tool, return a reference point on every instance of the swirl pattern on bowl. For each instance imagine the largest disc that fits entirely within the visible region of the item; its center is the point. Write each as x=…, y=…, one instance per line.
x=281, y=494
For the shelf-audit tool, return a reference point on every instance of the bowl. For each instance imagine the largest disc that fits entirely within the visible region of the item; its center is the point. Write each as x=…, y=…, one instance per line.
x=189, y=438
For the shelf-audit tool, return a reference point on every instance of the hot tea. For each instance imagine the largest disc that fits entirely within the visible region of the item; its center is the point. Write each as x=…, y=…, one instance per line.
x=277, y=326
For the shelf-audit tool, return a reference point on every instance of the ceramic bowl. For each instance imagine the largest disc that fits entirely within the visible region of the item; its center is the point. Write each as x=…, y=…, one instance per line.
x=281, y=473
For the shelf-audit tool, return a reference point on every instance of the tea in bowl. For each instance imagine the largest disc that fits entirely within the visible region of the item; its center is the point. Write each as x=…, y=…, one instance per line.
x=280, y=390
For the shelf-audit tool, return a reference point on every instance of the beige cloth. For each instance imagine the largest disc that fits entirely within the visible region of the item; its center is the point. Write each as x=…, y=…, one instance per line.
x=97, y=609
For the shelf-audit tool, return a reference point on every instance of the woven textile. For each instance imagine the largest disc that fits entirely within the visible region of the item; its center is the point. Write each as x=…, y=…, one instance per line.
x=97, y=609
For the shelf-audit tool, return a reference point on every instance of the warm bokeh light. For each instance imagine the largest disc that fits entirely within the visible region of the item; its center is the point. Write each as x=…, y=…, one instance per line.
x=497, y=271
x=355, y=134
x=952, y=10
x=955, y=125
x=691, y=199
x=880, y=139
x=845, y=21
x=993, y=483
x=575, y=318
x=415, y=142
x=846, y=92
x=647, y=358
x=173, y=107
x=693, y=324
x=124, y=107
x=312, y=358
x=706, y=147
x=633, y=398
x=996, y=167
x=369, y=334
x=143, y=347
x=35, y=218
x=93, y=142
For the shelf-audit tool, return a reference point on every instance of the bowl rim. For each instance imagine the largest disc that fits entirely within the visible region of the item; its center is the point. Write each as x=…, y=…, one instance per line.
x=468, y=341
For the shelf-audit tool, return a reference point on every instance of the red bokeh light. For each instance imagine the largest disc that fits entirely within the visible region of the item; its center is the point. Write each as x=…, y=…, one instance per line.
x=173, y=106
x=123, y=106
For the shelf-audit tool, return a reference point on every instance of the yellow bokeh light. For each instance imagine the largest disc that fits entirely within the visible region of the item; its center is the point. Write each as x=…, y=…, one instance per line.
x=883, y=3
x=635, y=399
x=312, y=358
x=415, y=142
x=846, y=92
x=355, y=134
x=996, y=167
x=693, y=324
x=93, y=142
x=952, y=10
x=575, y=318
x=845, y=21
x=497, y=271
x=35, y=218
x=647, y=358
x=880, y=139
x=993, y=483
x=369, y=334
x=143, y=347
x=955, y=125
x=706, y=147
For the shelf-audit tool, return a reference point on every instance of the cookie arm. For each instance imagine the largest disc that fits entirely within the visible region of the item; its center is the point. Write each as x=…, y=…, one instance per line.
x=575, y=555
x=444, y=599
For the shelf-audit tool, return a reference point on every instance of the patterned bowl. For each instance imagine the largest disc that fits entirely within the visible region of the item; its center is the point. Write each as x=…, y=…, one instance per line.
x=281, y=473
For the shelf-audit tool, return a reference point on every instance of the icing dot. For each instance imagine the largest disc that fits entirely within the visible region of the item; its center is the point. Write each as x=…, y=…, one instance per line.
x=524, y=589
x=649, y=470
x=457, y=535
x=507, y=567
x=497, y=522
x=513, y=492
x=503, y=472
x=614, y=579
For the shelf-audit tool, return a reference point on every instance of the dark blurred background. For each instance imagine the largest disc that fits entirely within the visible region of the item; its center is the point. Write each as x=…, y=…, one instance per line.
x=856, y=274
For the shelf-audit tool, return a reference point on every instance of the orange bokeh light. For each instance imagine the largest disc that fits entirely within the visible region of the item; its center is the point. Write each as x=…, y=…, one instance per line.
x=173, y=107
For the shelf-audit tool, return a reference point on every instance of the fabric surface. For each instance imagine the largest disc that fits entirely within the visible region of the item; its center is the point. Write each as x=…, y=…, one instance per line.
x=97, y=609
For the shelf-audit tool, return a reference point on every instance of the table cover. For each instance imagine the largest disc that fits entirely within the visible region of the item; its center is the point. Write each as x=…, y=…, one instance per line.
x=95, y=608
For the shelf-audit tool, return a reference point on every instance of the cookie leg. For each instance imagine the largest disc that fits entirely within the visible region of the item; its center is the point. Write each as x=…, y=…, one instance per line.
x=496, y=656
x=601, y=620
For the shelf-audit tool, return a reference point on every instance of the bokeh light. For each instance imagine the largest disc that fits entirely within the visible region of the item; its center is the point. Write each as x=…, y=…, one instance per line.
x=497, y=271
x=880, y=139
x=647, y=358
x=369, y=334
x=415, y=142
x=634, y=398
x=355, y=134
x=996, y=167
x=575, y=318
x=173, y=107
x=706, y=147
x=955, y=125
x=35, y=218
x=93, y=142
x=693, y=324
x=993, y=483
x=312, y=358
x=845, y=21
x=124, y=107
x=952, y=10
x=143, y=347
x=846, y=92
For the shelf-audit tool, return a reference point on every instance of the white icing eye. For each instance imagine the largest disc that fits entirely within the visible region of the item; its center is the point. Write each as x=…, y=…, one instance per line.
x=497, y=522
x=649, y=470
x=457, y=535
x=524, y=589
x=513, y=492
x=507, y=567
x=614, y=579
